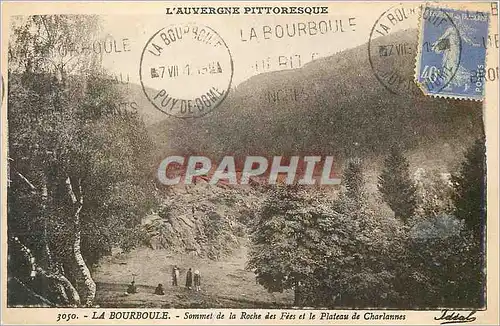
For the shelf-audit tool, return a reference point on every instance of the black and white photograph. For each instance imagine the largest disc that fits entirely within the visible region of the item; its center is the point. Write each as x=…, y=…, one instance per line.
x=270, y=158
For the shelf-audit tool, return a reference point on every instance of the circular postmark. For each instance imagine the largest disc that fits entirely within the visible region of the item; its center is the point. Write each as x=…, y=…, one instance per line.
x=440, y=51
x=392, y=48
x=186, y=70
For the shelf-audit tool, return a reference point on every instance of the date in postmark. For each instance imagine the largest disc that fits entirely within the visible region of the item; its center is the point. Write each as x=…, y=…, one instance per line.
x=186, y=70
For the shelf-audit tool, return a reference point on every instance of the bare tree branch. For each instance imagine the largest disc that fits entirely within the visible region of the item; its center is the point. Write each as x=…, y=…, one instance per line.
x=33, y=293
x=69, y=189
x=26, y=180
x=47, y=29
x=80, y=191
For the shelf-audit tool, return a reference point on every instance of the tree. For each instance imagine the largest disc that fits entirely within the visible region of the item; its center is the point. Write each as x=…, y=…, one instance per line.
x=450, y=238
x=330, y=252
x=283, y=253
x=362, y=248
x=469, y=198
x=469, y=183
x=354, y=181
x=78, y=166
x=396, y=185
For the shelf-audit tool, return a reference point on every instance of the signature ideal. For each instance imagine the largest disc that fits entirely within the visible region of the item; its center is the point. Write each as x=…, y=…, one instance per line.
x=449, y=317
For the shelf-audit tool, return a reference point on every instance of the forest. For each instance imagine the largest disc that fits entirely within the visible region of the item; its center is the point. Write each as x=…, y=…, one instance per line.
x=346, y=252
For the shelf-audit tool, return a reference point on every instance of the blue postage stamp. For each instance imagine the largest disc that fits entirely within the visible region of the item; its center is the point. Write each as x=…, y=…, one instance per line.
x=452, y=53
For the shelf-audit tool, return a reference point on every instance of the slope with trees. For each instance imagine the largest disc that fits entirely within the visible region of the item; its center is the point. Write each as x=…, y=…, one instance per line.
x=346, y=252
x=331, y=252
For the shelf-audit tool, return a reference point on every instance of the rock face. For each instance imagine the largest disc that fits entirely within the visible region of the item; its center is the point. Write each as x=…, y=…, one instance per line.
x=202, y=220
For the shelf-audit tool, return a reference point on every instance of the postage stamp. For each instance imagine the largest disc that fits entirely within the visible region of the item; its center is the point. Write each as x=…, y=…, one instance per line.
x=233, y=163
x=451, y=58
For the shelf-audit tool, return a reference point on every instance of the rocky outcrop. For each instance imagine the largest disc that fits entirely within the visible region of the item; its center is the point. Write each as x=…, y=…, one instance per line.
x=203, y=220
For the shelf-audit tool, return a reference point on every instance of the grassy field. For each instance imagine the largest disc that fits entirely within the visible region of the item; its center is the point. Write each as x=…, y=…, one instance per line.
x=224, y=284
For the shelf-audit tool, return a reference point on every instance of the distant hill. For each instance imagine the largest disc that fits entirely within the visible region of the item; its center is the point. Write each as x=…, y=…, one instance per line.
x=331, y=106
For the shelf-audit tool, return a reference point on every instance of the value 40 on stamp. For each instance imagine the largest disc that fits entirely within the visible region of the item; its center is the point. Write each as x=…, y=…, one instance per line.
x=186, y=70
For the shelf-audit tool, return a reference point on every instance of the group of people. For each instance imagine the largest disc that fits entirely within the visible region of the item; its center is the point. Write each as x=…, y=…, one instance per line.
x=192, y=280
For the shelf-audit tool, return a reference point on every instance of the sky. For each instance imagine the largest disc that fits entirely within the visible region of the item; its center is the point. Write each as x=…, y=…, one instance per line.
x=256, y=43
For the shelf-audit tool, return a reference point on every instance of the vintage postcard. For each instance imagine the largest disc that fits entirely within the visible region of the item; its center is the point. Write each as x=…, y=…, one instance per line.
x=231, y=163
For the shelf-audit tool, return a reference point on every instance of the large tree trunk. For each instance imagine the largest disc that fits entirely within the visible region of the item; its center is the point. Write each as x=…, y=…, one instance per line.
x=58, y=279
x=83, y=270
x=68, y=295
x=297, y=299
x=90, y=286
x=49, y=264
x=69, y=290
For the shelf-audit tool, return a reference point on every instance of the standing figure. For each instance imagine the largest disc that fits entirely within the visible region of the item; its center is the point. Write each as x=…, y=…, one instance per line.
x=197, y=280
x=189, y=279
x=175, y=275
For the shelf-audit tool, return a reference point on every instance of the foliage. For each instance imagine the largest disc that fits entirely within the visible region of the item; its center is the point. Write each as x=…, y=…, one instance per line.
x=361, y=272
x=469, y=183
x=443, y=265
x=353, y=181
x=469, y=199
x=65, y=131
x=341, y=253
x=331, y=252
x=396, y=185
x=283, y=238
x=433, y=193
x=51, y=43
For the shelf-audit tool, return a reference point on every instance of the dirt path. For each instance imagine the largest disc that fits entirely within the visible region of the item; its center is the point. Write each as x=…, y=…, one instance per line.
x=224, y=284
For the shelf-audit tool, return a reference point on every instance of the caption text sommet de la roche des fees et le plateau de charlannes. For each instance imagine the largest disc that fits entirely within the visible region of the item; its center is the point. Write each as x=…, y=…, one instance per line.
x=234, y=315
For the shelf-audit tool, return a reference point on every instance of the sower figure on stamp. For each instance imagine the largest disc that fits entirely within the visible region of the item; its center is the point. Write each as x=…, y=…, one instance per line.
x=175, y=275
x=197, y=280
x=189, y=279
